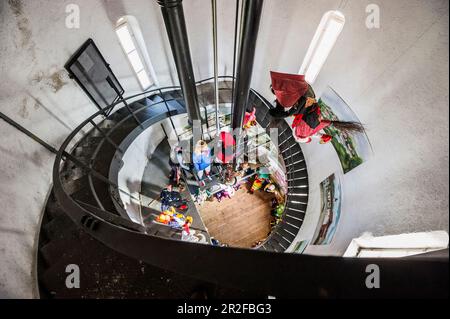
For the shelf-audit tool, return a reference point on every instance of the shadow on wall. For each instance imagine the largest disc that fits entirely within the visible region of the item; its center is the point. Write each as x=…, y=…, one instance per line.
x=55, y=80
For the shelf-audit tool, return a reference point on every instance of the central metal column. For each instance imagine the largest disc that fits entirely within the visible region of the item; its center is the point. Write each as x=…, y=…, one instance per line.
x=251, y=18
x=216, y=61
x=173, y=14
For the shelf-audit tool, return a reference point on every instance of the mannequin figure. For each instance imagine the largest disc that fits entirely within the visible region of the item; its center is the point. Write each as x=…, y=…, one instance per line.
x=309, y=123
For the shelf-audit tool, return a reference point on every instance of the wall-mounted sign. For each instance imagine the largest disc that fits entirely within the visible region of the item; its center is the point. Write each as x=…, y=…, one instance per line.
x=331, y=202
x=90, y=70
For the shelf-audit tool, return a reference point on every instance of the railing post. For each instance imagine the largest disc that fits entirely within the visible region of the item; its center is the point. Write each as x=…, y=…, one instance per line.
x=170, y=116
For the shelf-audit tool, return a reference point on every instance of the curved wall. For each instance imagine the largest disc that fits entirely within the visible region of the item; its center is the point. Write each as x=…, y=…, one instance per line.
x=134, y=160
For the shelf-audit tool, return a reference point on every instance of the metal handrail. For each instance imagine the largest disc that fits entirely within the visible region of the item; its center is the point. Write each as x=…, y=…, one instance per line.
x=91, y=120
x=289, y=161
x=62, y=154
x=125, y=119
x=132, y=113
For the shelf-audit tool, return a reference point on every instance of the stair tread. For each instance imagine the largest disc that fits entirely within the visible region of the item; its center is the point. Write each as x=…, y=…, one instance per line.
x=57, y=225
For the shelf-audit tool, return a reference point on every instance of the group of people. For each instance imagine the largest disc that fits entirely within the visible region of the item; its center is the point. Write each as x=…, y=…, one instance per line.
x=174, y=214
x=202, y=160
x=296, y=98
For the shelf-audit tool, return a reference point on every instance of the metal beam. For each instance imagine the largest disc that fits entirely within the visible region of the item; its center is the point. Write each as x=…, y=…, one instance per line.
x=28, y=133
x=251, y=18
x=173, y=14
x=216, y=66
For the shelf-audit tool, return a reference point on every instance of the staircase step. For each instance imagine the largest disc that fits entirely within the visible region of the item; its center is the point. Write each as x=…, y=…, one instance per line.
x=286, y=233
x=72, y=173
x=176, y=105
x=107, y=124
x=85, y=195
x=57, y=249
x=53, y=209
x=147, y=102
x=59, y=227
x=72, y=185
x=271, y=246
x=154, y=99
x=90, y=141
x=283, y=243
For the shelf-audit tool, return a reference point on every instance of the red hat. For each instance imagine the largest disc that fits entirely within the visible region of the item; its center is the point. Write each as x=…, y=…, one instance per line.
x=288, y=88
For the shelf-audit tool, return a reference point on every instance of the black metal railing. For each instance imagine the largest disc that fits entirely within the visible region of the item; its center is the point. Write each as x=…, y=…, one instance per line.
x=282, y=275
x=88, y=164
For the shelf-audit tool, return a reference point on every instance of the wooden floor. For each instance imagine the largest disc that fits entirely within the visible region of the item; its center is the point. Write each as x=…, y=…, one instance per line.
x=240, y=221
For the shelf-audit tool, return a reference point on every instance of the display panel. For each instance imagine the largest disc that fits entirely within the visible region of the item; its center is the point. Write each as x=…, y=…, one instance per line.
x=91, y=71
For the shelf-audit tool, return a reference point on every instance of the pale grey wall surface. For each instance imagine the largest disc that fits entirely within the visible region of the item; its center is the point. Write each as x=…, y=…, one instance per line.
x=391, y=77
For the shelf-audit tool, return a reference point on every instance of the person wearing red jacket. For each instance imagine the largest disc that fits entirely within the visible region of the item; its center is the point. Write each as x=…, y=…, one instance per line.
x=295, y=97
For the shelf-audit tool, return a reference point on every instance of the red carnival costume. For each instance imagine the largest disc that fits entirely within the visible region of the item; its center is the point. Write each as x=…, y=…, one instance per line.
x=309, y=123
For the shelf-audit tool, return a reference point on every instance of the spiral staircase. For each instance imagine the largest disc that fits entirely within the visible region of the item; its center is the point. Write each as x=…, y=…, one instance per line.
x=86, y=223
x=82, y=175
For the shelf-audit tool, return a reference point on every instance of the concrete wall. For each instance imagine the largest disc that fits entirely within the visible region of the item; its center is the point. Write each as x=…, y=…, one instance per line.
x=391, y=77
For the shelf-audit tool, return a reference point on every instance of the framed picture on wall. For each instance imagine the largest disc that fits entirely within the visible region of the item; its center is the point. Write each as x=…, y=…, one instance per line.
x=352, y=150
x=301, y=246
x=331, y=203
